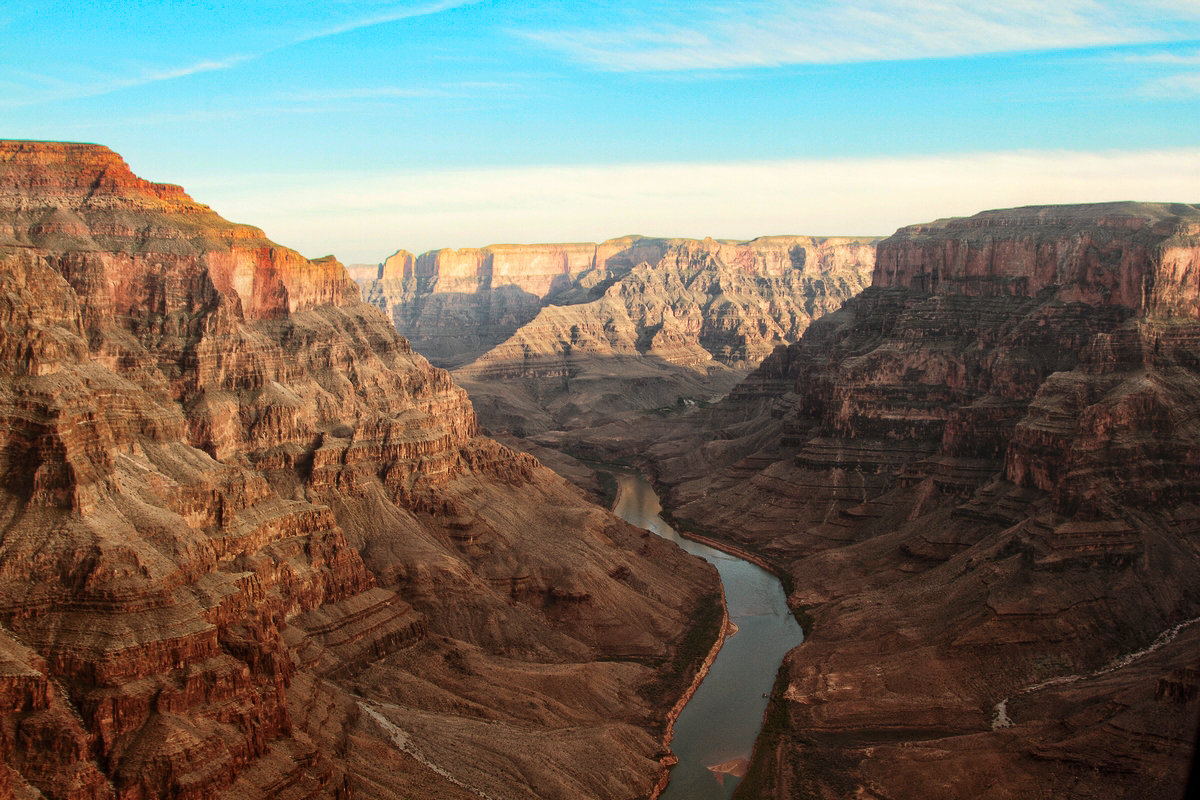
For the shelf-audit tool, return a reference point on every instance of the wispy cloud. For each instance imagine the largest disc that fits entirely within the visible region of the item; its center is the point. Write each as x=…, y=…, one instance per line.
x=1169, y=59
x=364, y=93
x=364, y=216
x=391, y=15
x=1182, y=85
x=721, y=35
x=1178, y=84
x=52, y=89
x=172, y=73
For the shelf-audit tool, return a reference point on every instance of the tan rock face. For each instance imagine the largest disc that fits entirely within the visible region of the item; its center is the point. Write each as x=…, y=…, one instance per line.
x=237, y=512
x=757, y=293
x=553, y=337
x=982, y=475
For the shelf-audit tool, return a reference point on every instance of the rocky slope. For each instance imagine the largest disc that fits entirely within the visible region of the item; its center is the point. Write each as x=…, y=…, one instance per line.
x=982, y=477
x=547, y=337
x=251, y=545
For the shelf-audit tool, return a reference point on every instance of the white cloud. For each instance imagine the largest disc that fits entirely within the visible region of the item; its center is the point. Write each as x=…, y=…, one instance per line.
x=182, y=72
x=1178, y=85
x=1169, y=59
x=63, y=90
x=1182, y=85
x=364, y=217
x=775, y=32
x=392, y=15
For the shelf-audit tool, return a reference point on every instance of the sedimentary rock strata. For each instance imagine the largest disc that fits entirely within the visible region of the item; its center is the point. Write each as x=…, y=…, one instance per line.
x=982, y=476
x=251, y=545
x=547, y=337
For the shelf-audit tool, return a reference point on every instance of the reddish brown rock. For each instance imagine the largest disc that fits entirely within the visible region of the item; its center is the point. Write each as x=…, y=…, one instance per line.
x=1137, y=255
x=981, y=475
x=242, y=523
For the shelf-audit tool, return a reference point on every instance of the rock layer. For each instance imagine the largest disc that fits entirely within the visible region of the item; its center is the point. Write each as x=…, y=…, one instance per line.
x=252, y=545
x=981, y=475
x=548, y=337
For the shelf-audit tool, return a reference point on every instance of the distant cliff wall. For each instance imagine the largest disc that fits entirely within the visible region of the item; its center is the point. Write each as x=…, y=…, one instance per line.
x=455, y=305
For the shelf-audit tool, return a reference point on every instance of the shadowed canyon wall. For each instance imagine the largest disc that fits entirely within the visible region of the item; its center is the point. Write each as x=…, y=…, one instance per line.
x=251, y=545
x=982, y=477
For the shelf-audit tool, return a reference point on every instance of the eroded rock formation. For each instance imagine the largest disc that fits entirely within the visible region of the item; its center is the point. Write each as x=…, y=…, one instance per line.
x=547, y=337
x=982, y=476
x=251, y=545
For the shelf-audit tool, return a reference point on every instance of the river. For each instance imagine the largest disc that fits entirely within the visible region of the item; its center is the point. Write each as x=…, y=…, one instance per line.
x=722, y=720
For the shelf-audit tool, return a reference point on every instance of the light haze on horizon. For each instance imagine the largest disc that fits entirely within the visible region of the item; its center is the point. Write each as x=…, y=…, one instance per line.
x=358, y=128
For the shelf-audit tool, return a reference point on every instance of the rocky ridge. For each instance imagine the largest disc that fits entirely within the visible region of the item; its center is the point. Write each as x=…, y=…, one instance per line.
x=981, y=475
x=253, y=546
x=548, y=337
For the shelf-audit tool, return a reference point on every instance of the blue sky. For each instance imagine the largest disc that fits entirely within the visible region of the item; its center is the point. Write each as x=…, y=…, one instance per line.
x=361, y=127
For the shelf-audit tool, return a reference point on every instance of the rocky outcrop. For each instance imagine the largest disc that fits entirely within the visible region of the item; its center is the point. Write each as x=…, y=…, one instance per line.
x=550, y=337
x=236, y=510
x=981, y=476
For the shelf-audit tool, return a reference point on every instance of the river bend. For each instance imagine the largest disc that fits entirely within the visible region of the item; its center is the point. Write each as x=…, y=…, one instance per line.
x=721, y=721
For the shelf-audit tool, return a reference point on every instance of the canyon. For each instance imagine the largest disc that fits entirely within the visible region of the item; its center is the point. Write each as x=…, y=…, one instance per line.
x=981, y=478
x=253, y=545
x=568, y=337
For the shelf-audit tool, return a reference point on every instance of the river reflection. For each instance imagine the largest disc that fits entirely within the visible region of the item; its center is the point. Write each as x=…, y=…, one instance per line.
x=721, y=721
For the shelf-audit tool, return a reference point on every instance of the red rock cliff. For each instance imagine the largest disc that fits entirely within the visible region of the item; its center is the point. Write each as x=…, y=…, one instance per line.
x=558, y=337
x=236, y=510
x=53, y=184
x=1144, y=256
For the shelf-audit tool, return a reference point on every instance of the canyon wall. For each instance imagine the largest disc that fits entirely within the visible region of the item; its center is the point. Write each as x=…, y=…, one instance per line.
x=981, y=476
x=549, y=337
x=456, y=305
x=253, y=546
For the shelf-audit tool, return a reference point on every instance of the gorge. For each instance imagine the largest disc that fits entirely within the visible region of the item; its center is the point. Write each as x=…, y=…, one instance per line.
x=714, y=735
x=980, y=478
x=253, y=544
